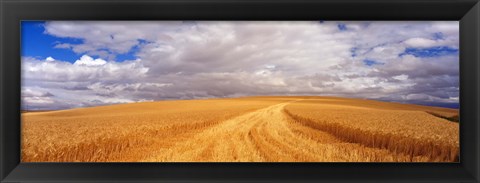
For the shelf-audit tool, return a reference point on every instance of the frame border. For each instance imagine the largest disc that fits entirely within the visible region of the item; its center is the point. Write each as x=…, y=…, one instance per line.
x=465, y=11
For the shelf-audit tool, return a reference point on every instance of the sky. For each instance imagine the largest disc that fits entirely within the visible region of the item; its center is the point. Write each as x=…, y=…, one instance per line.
x=71, y=64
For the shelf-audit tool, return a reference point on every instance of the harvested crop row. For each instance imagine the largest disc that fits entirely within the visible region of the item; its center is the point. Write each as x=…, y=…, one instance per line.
x=268, y=135
x=253, y=129
x=415, y=133
x=123, y=133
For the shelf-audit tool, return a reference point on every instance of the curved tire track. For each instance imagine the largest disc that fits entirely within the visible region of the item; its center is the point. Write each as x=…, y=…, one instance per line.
x=265, y=135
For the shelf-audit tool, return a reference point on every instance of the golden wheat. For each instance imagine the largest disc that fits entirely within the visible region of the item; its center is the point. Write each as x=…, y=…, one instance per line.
x=412, y=132
x=251, y=129
x=122, y=132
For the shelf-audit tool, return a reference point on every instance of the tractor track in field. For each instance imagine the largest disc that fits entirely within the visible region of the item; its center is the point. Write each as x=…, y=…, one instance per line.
x=264, y=135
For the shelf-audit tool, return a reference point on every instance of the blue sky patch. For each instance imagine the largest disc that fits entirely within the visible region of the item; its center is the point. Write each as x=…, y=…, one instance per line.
x=342, y=27
x=438, y=35
x=126, y=56
x=370, y=62
x=430, y=52
x=36, y=43
x=131, y=54
x=353, y=51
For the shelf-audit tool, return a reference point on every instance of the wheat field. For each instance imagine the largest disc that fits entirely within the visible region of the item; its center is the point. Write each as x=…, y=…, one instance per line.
x=248, y=129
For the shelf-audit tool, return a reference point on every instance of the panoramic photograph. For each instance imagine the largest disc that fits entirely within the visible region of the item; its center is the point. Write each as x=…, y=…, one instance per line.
x=240, y=91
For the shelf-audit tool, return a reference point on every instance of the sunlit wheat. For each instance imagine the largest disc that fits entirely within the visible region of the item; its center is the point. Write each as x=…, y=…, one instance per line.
x=251, y=129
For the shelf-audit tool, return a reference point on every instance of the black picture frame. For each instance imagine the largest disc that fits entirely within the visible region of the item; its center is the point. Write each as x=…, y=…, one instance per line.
x=14, y=11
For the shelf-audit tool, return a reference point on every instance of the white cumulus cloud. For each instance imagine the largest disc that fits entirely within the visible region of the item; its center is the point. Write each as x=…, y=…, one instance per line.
x=186, y=60
x=89, y=61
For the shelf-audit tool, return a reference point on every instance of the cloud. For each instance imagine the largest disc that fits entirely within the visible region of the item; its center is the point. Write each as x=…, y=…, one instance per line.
x=36, y=99
x=117, y=36
x=420, y=42
x=86, y=69
x=187, y=60
x=89, y=61
x=63, y=45
x=49, y=59
x=31, y=93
